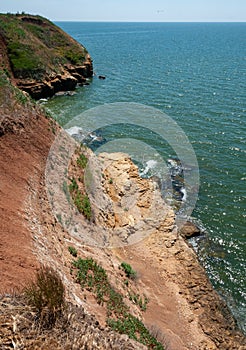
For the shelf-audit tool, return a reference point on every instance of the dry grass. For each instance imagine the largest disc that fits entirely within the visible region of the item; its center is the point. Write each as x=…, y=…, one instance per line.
x=74, y=329
x=158, y=334
x=46, y=295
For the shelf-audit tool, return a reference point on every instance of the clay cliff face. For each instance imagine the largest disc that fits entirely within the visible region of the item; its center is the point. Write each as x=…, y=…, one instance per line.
x=40, y=58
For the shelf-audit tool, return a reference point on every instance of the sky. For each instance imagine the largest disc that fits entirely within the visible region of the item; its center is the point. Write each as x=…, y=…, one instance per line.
x=132, y=10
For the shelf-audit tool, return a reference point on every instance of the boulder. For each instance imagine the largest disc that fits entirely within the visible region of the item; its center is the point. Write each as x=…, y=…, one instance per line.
x=189, y=229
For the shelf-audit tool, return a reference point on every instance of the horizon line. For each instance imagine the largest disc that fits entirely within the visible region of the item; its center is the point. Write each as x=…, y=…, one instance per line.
x=119, y=21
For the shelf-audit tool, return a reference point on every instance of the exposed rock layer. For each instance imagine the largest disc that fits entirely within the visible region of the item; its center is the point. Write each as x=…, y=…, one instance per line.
x=71, y=77
x=168, y=268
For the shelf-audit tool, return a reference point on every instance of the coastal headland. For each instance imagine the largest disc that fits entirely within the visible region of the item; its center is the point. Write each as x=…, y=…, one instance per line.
x=40, y=58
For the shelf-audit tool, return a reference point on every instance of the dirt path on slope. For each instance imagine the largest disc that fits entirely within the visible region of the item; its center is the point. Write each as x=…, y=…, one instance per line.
x=168, y=312
x=184, y=307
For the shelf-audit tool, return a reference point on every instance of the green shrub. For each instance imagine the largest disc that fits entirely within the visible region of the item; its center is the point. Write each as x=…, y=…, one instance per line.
x=83, y=205
x=23, y=61
x=93, y=277
x=20, y=96
x=81, y=201
x=73, y=251
x=82, y=161
x=135, y=329
x=6, y=71
x=130, y=273
x=46, y=295
x=3, y=79
x=138, y=300
x=74, y=56
x=73, y=185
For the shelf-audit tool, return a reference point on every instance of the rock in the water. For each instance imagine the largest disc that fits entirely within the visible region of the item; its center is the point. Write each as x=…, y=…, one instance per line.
x=189, y=230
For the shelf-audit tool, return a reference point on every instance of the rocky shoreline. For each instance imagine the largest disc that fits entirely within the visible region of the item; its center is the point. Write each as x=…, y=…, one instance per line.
x=67, y=81
x=165, y=254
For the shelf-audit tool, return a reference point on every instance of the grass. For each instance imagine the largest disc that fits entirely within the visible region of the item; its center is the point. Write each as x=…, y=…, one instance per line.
x=136, y=330
x=139, y=300
x=82, y=161
x=73, y=186
x=20, y=96
x=25, y=63
x=74, y=330
x=6, y=87
x=46, y=295
x=81, y=201
x=73, y=251
x=83, y=204
x=92, y=277
x=3, y=79
x=66, y=190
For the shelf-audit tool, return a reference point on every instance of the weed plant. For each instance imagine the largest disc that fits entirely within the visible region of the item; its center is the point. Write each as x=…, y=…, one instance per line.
x=81, y=201
x=82, y=161
x=130, y=273
x=73, y=251
x=93, y=278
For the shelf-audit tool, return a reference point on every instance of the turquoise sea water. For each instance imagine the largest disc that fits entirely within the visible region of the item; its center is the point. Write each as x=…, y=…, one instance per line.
x=195, y=73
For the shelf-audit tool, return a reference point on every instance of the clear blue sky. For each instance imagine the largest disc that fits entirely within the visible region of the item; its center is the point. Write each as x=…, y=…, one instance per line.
x=132, y=10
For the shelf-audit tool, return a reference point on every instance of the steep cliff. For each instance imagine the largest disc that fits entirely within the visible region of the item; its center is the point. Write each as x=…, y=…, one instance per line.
x=39, y=57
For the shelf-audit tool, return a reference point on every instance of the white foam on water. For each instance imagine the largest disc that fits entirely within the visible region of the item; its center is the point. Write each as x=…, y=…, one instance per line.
x=184, y=192
x=150, y=164
x=74, y=130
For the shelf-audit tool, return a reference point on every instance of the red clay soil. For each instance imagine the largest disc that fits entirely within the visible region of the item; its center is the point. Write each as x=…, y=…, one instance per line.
x=23, y=153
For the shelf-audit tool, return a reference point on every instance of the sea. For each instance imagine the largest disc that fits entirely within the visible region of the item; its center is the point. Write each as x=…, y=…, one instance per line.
x=194, y=73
